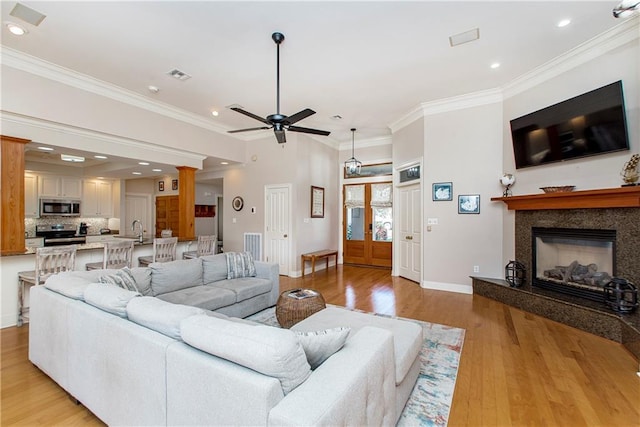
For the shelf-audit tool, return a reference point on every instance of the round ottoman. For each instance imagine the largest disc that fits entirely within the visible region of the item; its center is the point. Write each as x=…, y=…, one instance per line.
x=295, y=305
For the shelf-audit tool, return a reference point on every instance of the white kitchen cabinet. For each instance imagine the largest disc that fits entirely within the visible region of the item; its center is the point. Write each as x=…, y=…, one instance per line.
x=60, y=186
x=31, y=207
x=97, y=198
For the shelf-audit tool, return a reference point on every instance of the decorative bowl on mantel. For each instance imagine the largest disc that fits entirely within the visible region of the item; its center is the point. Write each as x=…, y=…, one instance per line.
x=558, y=189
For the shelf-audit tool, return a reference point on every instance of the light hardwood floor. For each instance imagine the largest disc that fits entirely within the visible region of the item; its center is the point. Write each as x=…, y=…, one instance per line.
x=516, y=368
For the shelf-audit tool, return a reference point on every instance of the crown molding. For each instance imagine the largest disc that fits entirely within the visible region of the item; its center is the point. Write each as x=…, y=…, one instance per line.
x=623, y=33
x=117, y=144
x=617, y=36
x=366, y=143
x=36, y=66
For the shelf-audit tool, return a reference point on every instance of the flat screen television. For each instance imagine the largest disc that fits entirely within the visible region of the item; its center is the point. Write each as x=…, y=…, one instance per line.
x=587, y=125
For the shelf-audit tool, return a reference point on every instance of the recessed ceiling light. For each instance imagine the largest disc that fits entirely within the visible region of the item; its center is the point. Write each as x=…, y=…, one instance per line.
x=495, y=65
x=16, y=29
x=99, y=156
x=156, y=170
x=143, y=163
x=564, y=23
x=136, y=173
x=100, y=177
x=153, y=89
x=214, y=113
x=70, y=158
x=45, y=148
x=224, y=163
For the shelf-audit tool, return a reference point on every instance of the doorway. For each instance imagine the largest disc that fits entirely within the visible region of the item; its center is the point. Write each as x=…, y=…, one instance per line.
x=278, y=226
x=409, y=232
x=368, y=224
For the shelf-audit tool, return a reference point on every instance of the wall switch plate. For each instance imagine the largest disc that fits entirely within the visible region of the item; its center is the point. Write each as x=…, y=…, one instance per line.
x=432, y=221
x=234, y=220
x=476, y=269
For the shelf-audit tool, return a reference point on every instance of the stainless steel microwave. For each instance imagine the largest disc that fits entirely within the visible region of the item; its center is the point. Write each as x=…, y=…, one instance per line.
x=59, y=207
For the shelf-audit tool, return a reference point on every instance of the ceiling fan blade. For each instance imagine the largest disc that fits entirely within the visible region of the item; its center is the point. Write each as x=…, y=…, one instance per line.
x=280, y=136
x=246, y=130
x=299, y=116
x=308, y=130
x=253, y=116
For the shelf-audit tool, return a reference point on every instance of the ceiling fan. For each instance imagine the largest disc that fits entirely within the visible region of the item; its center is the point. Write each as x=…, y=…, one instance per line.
x=279, y=122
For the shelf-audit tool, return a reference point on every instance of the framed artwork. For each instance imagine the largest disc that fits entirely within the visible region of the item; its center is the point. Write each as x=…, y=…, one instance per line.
x=469, y=204
x=317, y=202
x=379, y=169
x=442, y=191
x=160, y=185
x=174, y=184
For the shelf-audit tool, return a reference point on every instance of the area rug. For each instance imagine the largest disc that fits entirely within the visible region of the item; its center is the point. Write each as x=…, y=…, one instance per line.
x=430, y=400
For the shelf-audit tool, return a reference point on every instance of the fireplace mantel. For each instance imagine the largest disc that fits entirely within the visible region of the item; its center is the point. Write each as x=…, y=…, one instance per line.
x=623, y=197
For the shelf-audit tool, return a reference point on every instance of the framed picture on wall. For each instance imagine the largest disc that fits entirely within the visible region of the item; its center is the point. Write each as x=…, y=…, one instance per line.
x=174, y=184
x=317, y=202
x=442, y=191
x=469, y=204
x=160, y=185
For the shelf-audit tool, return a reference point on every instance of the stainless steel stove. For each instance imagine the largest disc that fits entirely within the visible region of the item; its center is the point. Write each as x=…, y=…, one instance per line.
x=60, y=234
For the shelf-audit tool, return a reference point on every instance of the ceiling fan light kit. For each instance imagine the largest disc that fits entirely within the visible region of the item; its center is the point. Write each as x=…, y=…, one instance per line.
x=279, y=122
x=353, y=165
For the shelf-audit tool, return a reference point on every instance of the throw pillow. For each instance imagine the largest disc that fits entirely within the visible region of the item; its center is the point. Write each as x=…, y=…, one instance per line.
x=122, y=278
x=271, y=351
x=240, y=264
x=318, y=346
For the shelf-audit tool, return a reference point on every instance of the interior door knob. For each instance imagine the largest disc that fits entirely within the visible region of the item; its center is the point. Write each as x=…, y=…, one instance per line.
x=285, y=236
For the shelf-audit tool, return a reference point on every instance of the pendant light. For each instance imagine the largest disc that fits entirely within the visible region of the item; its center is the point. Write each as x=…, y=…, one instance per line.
x=353, y=165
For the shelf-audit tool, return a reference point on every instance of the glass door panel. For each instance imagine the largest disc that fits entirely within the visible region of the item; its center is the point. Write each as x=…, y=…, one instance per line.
x=383, y=224
x=355, y=223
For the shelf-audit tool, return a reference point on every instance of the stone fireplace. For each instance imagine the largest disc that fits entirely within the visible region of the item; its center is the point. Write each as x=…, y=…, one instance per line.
x=569, y=243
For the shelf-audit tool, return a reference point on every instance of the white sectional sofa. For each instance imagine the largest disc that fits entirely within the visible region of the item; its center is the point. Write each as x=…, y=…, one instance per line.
x=141, y=360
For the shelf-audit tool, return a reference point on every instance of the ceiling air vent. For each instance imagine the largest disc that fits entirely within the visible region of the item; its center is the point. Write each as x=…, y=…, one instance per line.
x=27, y=14
x=180, y=75
x=467, y=36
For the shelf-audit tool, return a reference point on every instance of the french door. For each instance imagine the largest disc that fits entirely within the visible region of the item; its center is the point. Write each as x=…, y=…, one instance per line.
x=368, y=224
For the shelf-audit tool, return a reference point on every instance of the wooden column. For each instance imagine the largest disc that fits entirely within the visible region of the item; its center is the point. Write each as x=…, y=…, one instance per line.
x=12, y=195
x=187, y=192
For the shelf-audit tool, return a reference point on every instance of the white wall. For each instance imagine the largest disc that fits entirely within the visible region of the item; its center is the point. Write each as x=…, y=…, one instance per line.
x=463, y=147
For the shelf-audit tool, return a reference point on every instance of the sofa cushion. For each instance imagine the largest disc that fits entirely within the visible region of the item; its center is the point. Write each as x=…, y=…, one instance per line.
x=407, y=335
x=205, y=297
x=159, y=315
x=245, y=287
x=110, y=298
x=142, y=275
x=175, y=275
x=214, y=268
x=271, y=351
x=240, y=264
x=122, y=278
x=320, y=345
x=72, y=284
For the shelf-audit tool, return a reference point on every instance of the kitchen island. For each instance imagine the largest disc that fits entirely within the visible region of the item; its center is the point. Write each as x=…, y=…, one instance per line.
x=10, y=265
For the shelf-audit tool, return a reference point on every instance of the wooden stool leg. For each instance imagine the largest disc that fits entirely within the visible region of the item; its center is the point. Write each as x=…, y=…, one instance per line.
x=302, y=262
x=313, y=265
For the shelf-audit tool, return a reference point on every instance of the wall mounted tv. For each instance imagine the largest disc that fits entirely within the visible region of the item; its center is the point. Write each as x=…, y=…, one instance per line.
x=587, y=125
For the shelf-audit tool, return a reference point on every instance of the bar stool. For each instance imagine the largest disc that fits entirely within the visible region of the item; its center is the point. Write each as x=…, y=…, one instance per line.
x=49, y=261
x=206, y=246
x=164, y=250
x=117, y=254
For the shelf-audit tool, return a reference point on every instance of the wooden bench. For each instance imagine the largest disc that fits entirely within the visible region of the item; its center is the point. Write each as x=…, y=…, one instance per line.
x=313, y=256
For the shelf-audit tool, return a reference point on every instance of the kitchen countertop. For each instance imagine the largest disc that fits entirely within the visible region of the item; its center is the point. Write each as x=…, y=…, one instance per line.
x=100, y=245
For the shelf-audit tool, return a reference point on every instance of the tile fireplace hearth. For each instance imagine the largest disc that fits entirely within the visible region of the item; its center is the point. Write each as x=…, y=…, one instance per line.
x=613, y=213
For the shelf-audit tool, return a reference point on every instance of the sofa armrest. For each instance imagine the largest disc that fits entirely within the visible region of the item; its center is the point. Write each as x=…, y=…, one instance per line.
x=355, y=386
x=269, y=271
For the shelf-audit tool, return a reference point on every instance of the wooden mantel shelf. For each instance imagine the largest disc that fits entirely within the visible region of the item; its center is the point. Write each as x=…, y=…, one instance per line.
x=623, y=197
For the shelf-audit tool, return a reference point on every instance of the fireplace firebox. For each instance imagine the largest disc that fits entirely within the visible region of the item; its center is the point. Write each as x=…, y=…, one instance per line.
x=574, y=261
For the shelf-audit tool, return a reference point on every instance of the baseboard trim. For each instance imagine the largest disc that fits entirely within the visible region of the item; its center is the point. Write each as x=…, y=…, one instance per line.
x=449, y=287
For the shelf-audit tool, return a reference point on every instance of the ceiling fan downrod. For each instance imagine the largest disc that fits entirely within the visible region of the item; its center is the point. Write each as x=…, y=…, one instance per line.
x=277, y=38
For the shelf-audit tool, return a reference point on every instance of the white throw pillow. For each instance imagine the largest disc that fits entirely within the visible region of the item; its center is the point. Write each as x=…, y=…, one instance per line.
x=320, y=345
x=271, y=351
x=110, y=298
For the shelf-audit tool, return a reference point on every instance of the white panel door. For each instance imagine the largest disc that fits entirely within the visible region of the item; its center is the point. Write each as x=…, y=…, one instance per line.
x=278, y=227
x=410, y=235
